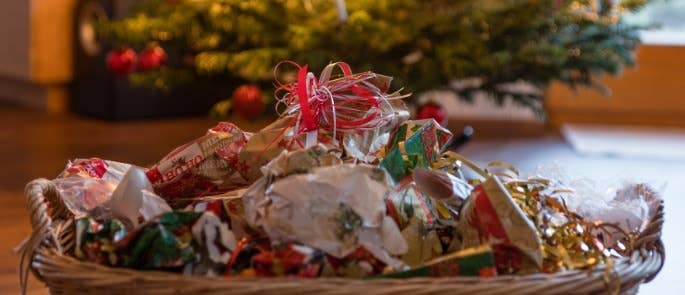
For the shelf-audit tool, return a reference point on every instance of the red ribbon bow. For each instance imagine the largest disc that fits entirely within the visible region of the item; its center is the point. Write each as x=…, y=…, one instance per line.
x=348, y=102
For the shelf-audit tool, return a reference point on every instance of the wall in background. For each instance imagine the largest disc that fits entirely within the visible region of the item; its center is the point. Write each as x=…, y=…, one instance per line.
x=653, y=93
x=15, y=32
x=51, y=40
x=35, y=59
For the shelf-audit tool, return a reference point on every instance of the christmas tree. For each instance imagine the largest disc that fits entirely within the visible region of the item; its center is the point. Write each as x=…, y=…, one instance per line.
x=487, y=44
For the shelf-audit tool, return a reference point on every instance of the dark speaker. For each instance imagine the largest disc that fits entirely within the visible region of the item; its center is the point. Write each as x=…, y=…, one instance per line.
x=96, y=92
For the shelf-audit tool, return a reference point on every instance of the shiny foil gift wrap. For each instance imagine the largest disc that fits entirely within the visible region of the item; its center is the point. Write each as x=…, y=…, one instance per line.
x=580, y=238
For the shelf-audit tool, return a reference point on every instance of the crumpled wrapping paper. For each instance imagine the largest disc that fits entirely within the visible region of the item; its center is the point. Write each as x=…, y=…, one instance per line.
x=423, y=243
x=474, y=262
x=405, y=201
x=490, y=216
x=204, y=166
x=364, y=144
x=446, y=189
x=104, y=190
x=416, y=143
x=192, y=242
x=425, y=220
x=285, y=164
x=273, y=140
x=312, y=210
x=301, y=161
x=353, y=113
x=282, y=135
x=336, y=209
x=288, y=260
x=107, y=170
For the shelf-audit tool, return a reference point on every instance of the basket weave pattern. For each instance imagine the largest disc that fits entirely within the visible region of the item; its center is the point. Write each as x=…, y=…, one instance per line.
x=47, y=254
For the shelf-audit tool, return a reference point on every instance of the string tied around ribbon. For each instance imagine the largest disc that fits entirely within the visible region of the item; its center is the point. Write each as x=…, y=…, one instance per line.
x=348, y=102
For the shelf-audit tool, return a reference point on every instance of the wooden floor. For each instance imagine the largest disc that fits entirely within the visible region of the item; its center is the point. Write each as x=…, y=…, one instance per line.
x=35, y=145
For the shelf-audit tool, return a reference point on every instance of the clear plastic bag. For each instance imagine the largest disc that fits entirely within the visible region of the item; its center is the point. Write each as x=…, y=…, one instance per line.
x=85, y=196
x=127, y=198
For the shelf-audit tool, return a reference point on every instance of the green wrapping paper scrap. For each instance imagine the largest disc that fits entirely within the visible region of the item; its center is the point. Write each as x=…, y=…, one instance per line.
x=395, y=165
x=96, y=242
x=167, y=243
x=477, y=261
x=414, y=144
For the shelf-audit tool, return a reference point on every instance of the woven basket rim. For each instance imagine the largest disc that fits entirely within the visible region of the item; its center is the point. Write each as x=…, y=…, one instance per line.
x=46, y=256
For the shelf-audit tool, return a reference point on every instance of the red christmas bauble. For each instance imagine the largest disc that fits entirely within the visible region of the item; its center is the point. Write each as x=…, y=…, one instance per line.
x=121, y=61
x=247, y=101
x=432, y=111
x=151, y=58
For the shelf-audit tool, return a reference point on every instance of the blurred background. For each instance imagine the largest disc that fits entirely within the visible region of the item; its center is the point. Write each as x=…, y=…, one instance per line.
x=591, y=86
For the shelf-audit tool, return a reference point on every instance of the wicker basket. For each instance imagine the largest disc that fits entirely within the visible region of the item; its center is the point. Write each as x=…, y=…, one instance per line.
x=47, y=255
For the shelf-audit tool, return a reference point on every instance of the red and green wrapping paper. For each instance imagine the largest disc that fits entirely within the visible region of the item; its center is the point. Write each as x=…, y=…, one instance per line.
x=163, y=244
x=288, y=260
x=172, y=241
x=100, y=243
x=491, y=216
x=476, y=262
x=414, y=144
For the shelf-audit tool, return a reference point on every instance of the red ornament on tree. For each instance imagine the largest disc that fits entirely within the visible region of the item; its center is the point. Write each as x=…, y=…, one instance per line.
x=121, y=61
x=248, y=102
x=151, y=58
x=432, y=111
